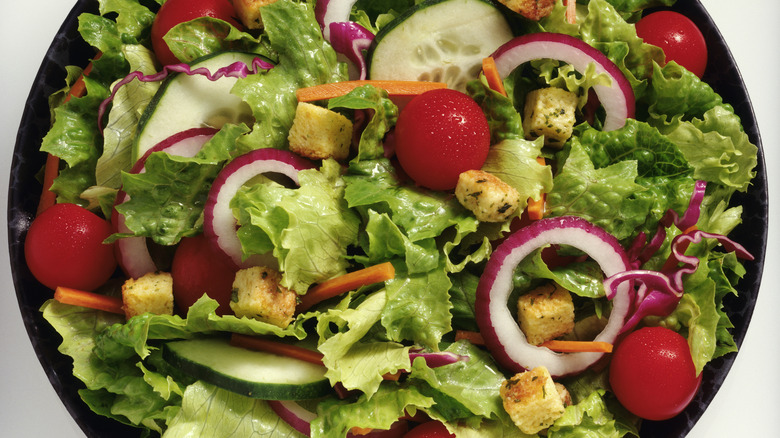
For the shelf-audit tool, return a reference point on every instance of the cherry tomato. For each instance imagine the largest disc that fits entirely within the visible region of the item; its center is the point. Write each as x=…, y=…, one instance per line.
x=173, y=12
x=430, y=429
x=652, y=373
x=64, y=247
x=440, y=134
x=197, y=269
x=678, y=36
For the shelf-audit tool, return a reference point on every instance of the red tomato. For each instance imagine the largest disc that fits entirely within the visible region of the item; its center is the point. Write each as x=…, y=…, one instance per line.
x=652, y=373
x=64, y=247
x=440, y=134
x=173, y=12
x=197, y=269
x=431, y=429
x=678, y=36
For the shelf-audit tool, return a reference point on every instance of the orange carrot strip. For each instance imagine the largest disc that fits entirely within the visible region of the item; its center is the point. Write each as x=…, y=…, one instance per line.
x=571, y=11
x=491, y=74
x=578, y=346
x=52, y=168
x=91, y=300
x=280, y=348
x=50, y=172
x=393, y=88
x=345, y=283
x=536, y=207
x=473, y=337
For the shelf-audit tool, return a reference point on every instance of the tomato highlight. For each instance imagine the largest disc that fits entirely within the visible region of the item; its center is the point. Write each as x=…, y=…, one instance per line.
x=678, y=36
x=64, y=247
x=652, y=373
x=440, y=134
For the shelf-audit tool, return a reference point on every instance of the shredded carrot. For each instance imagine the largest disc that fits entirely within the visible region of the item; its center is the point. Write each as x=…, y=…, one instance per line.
x=393, y=88
x=91, y=300
x=536, y=207
x=578, y=346
x=571, y=11
x=473, y=337
x=52, y=168
x=345, y=283
x=280, y=348
x=491, y=75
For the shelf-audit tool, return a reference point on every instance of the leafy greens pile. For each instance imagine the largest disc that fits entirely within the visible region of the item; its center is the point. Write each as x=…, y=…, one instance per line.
x=623, y=181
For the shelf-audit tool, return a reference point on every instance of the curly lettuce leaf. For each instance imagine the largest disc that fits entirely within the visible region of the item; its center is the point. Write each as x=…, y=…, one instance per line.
x=210, y=411
x=383, y=117
x=304, y=59
x=357, y=361
x=310, y=227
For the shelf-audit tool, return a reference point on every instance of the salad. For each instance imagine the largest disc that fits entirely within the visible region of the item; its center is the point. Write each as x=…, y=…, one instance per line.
x=193, y=160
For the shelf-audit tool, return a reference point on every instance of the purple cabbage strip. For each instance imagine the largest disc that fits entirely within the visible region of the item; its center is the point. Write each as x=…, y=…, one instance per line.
x=237, y=69
x=660, y=292
x=689, y=219
x=352, y=40
x=438, y=359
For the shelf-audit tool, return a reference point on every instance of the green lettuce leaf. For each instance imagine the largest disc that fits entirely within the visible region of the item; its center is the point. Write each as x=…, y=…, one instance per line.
x=335, y=418
x=304, y=59
x=384, y=115
x=357, y=362
x=210, y=411
x=310, y=227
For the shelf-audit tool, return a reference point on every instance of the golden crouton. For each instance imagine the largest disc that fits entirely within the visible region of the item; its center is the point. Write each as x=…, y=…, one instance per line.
x=545, y=313
x=550, y=112
x=531, y=9
x=532, y=400
x=487, y=196
x=152, y=293
x=320, y=133
x=257, y=294
x=248, y=12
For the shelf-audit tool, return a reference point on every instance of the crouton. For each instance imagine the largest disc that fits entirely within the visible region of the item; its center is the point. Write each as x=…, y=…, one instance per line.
x=320, y=133
x=248, y=12
x=550, y=112
x=531, y=9
x=545, y=313
x=487, y=196
x=257, y=294
x=151, y=293
x=532, y=400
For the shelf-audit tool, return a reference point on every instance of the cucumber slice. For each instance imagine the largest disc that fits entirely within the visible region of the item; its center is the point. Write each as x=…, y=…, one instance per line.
x=185, y=102
x=255, y=374
x=439, y=40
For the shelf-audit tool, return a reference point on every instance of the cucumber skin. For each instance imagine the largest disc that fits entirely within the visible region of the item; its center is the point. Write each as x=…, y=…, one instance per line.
x=257, y=390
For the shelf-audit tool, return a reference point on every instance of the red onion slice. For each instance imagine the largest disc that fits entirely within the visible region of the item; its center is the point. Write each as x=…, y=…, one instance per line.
x=618, y=99
x=502, y=333
x=332, y=11
x=219, y=222
x=131, y=252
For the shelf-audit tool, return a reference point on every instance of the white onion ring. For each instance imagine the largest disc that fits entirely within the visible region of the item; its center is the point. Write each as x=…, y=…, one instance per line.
x=502, y=334
x=618, y=100
x=131, y=252
x=219, y=223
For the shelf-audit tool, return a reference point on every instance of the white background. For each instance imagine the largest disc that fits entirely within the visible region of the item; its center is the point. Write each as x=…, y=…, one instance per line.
x=746, y=405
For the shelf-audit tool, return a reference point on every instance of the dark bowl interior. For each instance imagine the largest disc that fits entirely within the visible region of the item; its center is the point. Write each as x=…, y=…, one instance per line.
x=24, y=190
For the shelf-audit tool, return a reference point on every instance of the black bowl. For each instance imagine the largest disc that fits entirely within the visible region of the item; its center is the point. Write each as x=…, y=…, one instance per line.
x=24, y=189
